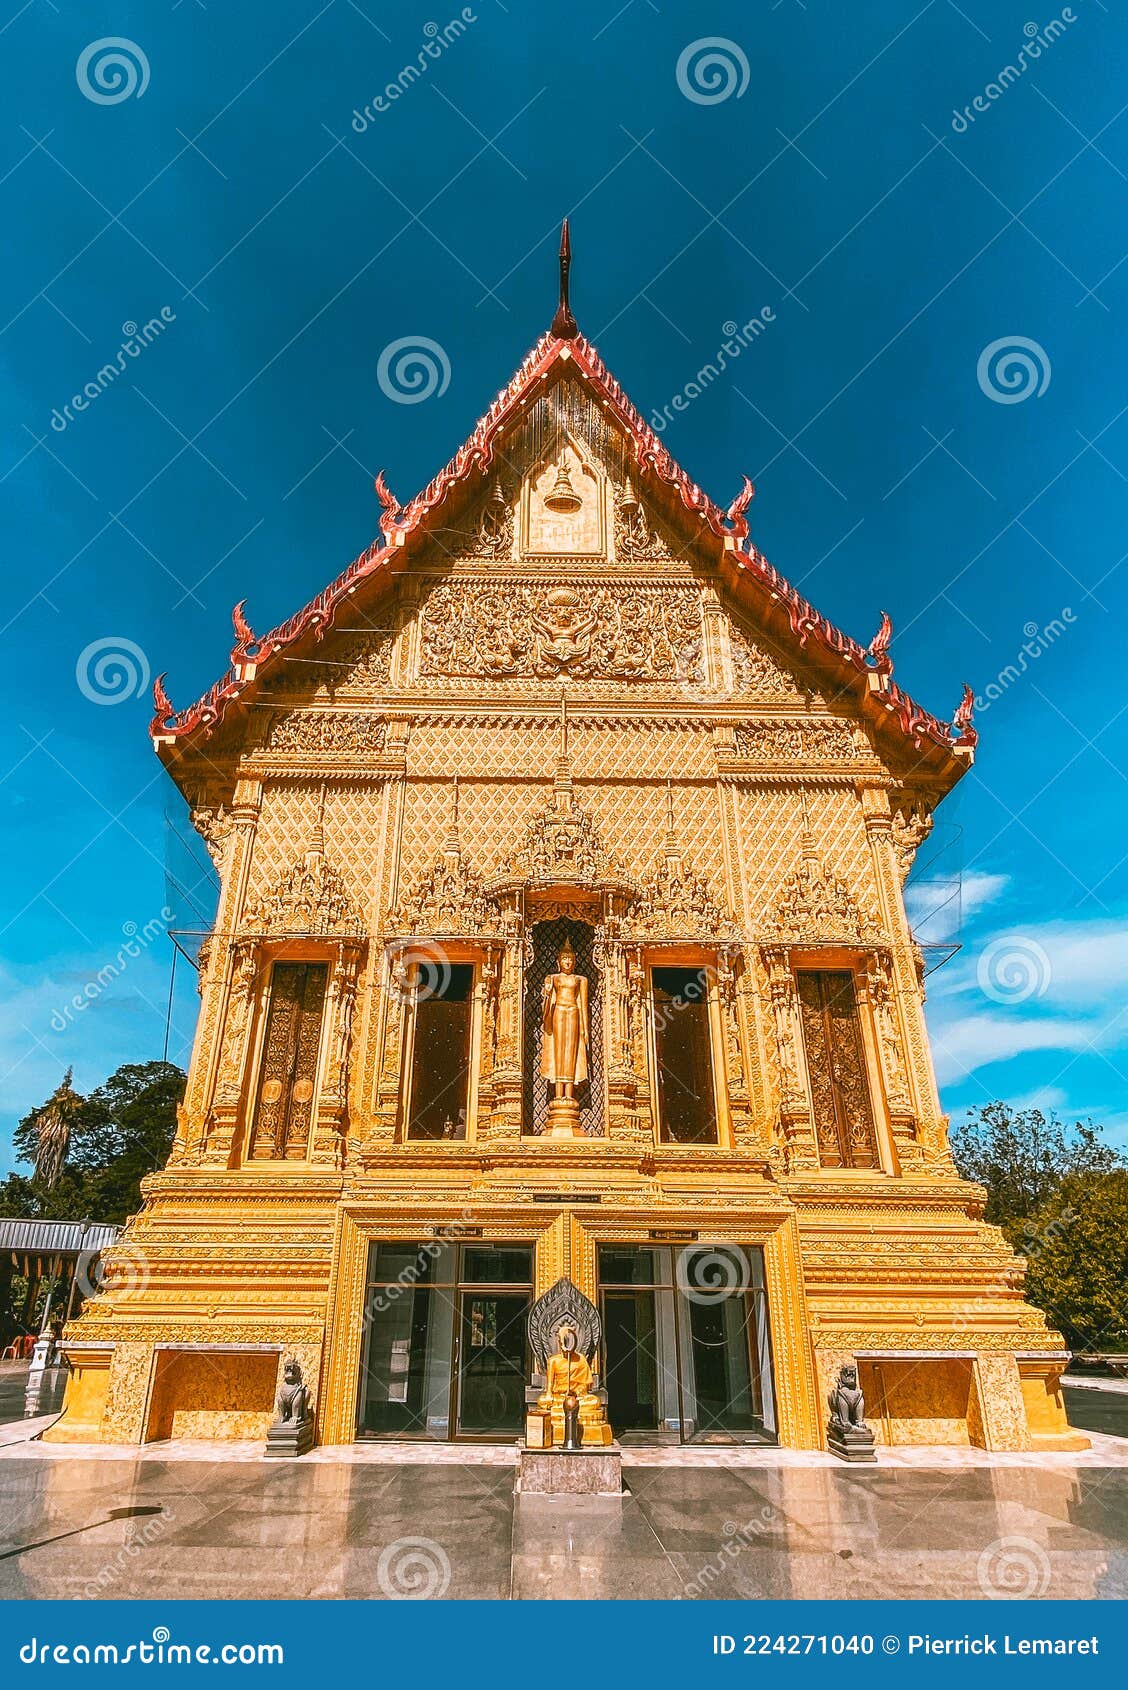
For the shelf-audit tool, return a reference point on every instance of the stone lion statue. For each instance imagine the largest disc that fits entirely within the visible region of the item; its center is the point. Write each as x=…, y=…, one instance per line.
x=293, y=1395
x=847, y=1405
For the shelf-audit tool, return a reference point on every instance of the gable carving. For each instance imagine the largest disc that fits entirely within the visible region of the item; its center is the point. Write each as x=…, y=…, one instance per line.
x=801, y=742
x=585, y=630
x=327, y=730
x=448, y=900
x=756, y=670
x=309, y=898
x=815, y=907
x=676, y=903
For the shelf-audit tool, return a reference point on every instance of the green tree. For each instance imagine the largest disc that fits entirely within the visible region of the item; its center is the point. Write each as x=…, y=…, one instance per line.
x=1022, y=1156
x=119, y=1133
x=1076, y=1251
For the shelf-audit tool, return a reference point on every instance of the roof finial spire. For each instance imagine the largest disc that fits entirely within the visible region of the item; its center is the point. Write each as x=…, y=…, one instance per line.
x=564, y=325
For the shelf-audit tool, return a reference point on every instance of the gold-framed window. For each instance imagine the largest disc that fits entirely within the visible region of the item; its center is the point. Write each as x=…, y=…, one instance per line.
x=286, y=1086
x=842, y=1103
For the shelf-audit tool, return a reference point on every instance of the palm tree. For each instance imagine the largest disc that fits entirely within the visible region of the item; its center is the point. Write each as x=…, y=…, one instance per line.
x=53, y=1124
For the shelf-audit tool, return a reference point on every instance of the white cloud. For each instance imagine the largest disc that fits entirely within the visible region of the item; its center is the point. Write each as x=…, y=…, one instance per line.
x=939, y=905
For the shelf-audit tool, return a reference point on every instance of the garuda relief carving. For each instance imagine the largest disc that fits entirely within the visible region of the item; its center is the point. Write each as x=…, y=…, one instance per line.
x=551, y=632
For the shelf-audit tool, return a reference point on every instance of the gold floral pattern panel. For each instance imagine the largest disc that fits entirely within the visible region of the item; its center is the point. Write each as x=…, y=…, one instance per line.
x=840, y=1097
x=288, y=1072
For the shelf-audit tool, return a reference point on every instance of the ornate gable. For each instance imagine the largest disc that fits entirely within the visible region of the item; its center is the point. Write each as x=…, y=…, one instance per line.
x=815, y=907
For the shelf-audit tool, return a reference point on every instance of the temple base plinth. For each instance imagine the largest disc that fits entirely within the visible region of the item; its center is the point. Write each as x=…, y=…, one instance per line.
x=287, y=1438
x=851, y=1443
x=597, y=1471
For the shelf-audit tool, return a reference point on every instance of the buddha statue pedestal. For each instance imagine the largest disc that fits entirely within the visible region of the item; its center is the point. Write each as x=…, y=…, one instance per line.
x=569, y=1448
x=563, y=1119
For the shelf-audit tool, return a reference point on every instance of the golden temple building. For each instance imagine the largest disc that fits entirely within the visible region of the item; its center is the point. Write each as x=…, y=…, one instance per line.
x=561, y=934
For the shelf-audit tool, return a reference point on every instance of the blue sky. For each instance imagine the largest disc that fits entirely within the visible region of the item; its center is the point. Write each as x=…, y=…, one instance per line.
x=875, y=177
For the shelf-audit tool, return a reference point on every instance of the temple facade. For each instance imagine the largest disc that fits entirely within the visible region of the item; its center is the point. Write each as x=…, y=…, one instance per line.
x=561, y=934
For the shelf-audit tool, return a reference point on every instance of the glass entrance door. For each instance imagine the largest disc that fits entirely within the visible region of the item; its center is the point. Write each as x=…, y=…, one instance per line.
x=445, y=1350
x=686, y=1344
x=492, y=1371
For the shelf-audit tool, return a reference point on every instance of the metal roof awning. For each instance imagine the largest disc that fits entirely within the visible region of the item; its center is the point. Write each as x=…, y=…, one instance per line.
x=55, y=1238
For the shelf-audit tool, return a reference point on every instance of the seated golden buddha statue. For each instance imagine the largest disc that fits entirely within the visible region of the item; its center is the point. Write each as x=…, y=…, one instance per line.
x=568, y=1370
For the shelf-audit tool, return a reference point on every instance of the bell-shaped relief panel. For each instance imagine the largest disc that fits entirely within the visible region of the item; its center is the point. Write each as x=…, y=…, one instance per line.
x=564, y=507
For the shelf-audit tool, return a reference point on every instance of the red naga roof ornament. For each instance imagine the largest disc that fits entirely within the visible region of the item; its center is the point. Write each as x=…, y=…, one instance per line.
x=966, y=733
x=399, y=524
x=878, y=649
